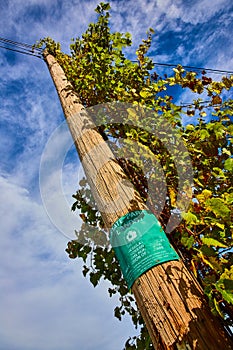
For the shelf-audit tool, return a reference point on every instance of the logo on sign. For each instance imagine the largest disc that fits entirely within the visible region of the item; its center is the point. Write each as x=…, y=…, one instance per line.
x=131, y=235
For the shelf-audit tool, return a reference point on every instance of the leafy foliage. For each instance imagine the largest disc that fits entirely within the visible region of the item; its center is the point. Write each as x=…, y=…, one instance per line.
x=100, y=72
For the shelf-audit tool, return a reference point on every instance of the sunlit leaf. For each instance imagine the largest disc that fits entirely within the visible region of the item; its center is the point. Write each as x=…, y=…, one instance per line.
x=228, y=165
x=190, y=218
x=213, y=242
x=225, y=285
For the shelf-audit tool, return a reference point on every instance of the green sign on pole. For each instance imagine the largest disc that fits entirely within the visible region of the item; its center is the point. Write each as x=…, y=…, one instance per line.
x=140, y=243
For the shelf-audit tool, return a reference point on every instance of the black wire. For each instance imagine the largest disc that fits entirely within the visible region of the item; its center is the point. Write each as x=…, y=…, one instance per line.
x=217, y=71
x=15, y=43
x=199, y=102
x=20, y=47
x=30, y=53
x=39, y=52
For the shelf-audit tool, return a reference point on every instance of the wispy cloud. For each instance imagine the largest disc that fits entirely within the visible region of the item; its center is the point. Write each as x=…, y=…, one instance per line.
x=45, y=303
x=203, y=31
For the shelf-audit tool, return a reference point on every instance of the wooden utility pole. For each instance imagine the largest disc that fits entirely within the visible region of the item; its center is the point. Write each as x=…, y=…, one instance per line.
x=169, y=297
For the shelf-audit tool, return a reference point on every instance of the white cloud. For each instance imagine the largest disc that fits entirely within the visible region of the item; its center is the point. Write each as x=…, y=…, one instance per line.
x=60, y=20
x=44, y=302
x=200, y=11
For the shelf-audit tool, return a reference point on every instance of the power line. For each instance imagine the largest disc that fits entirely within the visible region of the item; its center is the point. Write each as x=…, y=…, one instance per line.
x=169, y=65
x=16, y=43
x=37, y=52
x=204, y=104
x=23, y=48
x=30, y=50
x=30, y=53
x=217, y=71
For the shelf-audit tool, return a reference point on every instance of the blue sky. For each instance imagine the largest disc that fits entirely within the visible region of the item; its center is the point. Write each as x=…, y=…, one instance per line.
x=45, y=302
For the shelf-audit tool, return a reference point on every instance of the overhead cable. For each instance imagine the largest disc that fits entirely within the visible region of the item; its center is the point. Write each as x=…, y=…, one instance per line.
x=30, y=53
x=169, y=65
x=217, y=71
x=20, y=47
x=16, y=43
x=37, y=52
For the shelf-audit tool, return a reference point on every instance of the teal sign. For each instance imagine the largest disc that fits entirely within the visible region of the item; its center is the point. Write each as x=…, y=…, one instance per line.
x=140, y=243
